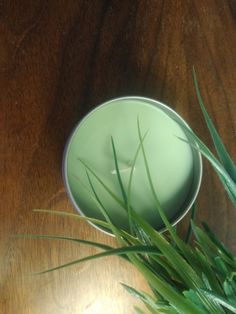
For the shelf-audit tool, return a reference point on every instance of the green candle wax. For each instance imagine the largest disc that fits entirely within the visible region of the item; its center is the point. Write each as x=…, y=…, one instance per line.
x=170, y=160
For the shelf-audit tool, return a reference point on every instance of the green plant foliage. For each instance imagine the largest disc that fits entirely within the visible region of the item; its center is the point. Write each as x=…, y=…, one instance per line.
x=185, y=278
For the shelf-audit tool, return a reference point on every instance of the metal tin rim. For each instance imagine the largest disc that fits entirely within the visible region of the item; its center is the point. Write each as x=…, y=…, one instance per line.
x=146, y=99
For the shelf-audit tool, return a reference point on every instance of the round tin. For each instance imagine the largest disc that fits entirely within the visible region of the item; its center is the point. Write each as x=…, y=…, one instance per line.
x=197, y=162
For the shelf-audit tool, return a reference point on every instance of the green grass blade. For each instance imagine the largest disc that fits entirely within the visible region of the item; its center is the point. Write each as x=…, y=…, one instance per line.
x=182, y=246
x=109, y=191
x=178, y=301
x=225, y=178
x=99, y=222
x=175, y=259
x=95, y=221
x=70, y=215
x=144, y=297
x=53, y=237
x=222, y=266
x=217, y=242
x=210, y=248
x=208, y=272
x=159, y=208
x=161, y=268
x=186, y=250
x=112, y=227
x=230, y=290
x=231, y=306
x=112, y=194
x=118, y=172
x=151, y=304
x=123, y=251
x=186, y=272
x=207, y=282
x=115, y=230
x=189, y=231
x=219, y=146
x=132, y=225
x=95, y=197
x=166, y=270
x=192, y=296
x=200, y=146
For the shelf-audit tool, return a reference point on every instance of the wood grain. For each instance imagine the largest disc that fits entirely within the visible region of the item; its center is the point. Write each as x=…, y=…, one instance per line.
x=59, y=59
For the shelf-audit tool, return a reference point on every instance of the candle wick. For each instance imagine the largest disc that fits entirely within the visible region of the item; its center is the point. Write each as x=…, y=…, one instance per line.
x=121, y=170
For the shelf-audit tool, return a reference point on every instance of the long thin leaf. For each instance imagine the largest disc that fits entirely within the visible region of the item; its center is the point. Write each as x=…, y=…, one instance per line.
x=221, y=301
x=115, y=230
x=217, y=242
x=225, y=178
x=144, y=297
x=54, y=237
x=118, y=251
x=186, y=276
x=105, y=186
x=133, y=227
x=158, y=205
x=219, y=146
x=192, y=296
x=175, y=299
x=139, y=232
x=154, y=307
x=177, y=261
x=112, y=194
x=187, y=273
x=208, y=272
x=118, y=172
x=192, y=218
x=209, y=246
x=181, y=244
x=101, y=223
x=167, y=271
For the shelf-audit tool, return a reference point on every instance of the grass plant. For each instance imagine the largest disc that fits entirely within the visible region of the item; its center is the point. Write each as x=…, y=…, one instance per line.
x=192, y=277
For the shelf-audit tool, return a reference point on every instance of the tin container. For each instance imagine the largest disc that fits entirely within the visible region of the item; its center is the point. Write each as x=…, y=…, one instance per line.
x=197, y=161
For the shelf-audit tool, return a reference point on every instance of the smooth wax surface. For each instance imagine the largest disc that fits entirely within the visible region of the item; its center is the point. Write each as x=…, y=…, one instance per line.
x=170, y=160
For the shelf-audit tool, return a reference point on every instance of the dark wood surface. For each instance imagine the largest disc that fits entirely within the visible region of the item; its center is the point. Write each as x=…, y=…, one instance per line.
x=59, y=59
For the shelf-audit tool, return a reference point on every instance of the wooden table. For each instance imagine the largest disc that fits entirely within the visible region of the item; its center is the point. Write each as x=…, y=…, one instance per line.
x=59, y=59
